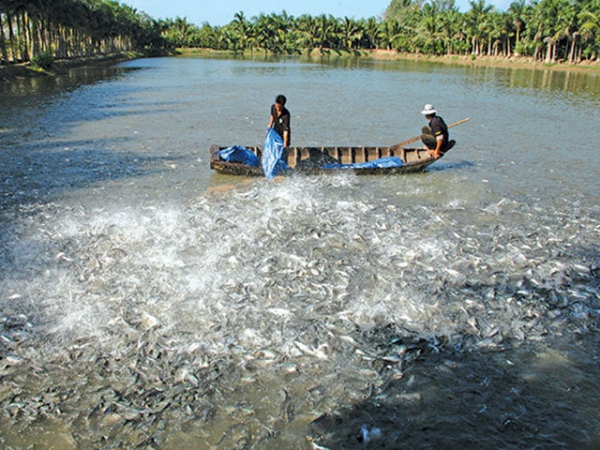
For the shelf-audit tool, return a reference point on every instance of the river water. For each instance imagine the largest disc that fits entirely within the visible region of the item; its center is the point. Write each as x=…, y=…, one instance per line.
x=147, y=302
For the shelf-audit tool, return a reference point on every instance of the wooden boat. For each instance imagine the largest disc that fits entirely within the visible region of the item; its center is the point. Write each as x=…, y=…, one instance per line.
x=311, y=160
x=316, y=159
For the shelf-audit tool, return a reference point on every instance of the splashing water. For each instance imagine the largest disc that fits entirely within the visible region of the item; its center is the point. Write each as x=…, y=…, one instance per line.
x=249, y=316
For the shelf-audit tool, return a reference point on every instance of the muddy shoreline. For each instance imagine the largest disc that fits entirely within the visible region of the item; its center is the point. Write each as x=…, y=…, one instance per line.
x=15, y=71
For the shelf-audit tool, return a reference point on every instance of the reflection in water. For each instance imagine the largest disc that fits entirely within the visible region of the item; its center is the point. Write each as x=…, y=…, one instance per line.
x=567, y=81
x=146, y=302
x=68, y=79
x=573, y=82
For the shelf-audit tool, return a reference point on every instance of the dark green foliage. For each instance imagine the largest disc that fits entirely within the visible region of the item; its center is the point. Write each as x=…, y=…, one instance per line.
x=39, y=29
x=549, y=30
x=43, y=61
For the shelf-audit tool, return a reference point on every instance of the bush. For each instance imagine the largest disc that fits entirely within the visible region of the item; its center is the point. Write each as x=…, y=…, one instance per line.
x=42, y=61
x=520, y=49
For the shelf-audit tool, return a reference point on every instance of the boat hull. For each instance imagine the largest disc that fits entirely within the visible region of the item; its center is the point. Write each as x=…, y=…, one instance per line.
x=309, y=160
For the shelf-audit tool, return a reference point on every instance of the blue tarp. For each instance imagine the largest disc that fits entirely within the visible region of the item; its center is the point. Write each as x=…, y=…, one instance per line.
x=239, y=154
x=390, y=161
x=272, y=156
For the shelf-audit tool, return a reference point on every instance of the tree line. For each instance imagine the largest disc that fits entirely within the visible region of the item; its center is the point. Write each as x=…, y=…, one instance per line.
x=545, y=30
x=548, y=30
x=34, y=30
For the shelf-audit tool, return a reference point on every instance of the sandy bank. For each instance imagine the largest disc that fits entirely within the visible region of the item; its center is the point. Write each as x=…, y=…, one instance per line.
x=515, y=62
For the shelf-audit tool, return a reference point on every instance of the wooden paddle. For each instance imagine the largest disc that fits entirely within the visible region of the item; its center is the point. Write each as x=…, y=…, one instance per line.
x=411, y=140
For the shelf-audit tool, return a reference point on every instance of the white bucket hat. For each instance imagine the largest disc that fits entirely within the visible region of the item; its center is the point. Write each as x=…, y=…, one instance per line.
x=428, y=110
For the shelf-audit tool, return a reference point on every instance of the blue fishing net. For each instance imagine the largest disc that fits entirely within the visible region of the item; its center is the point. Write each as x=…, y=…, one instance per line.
x=273, y=155
x=239, y=154
x=388, y=162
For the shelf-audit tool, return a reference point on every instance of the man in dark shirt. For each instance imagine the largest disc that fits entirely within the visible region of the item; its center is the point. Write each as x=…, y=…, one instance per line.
x=280, y=119
x=435, y=136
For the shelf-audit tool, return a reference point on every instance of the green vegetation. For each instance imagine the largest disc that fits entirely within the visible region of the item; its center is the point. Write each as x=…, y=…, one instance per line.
x=43, y=30
x=42, y=61
x=545, y=30
x=550, y=31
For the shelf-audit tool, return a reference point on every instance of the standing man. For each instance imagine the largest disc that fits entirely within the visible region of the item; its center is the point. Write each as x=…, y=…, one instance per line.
x=435, y=136
x=280, y=119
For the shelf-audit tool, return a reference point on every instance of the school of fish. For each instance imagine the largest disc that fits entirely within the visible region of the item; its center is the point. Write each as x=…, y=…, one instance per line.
x=274, y=315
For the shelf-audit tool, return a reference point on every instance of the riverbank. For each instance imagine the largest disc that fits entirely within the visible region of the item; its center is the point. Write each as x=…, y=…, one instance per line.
x=26, y=70
x=514, y=62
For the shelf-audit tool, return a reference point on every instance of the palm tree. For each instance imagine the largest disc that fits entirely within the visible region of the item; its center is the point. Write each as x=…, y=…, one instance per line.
x=516, y=11
x=371, y=33
x=389, y=33
x=590, y=26
x=476, y=21
x=3, y=42
x=350, y=32
x=450, y=29
x=241, y=30
x=567, y=31
x=558, y=29
x=307, y=28
x=494, y=30
x=325, y=32
x=69, y=27
x=12, y=10
x=430, y=29
x=271, y=31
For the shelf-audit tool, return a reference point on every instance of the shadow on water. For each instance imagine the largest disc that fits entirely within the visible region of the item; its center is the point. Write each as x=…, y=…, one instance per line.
x=36, y=176
x=499, y=389
x=454, y=165
x=64, y=80
x=476, y=399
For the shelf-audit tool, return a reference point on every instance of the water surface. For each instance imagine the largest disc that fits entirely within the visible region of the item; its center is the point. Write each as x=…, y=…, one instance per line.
x=148, y=302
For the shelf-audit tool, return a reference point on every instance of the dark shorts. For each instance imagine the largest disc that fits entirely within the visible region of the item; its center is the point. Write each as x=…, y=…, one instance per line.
x=430, y=141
